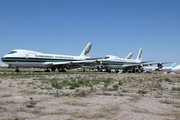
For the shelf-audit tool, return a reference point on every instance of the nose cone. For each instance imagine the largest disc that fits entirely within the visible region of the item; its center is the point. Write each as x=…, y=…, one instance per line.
x=4, y=58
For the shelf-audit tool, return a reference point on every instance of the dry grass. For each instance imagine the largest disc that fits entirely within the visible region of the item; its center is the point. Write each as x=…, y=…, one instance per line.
x=135, y=98
x=28, y=91
x=90, y=115
x=86, y=103
x=174, y=103
x=75, y=103
x=110, y=108
x=6, y=95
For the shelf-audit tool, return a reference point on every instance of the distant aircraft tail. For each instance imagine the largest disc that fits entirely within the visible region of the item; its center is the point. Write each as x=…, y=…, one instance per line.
x=173, y=65
x=129, y=56
x=86, y=52
x=139, y=57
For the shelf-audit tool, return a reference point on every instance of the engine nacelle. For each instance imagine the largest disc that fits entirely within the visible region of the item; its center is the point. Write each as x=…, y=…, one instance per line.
x=159, y=65
x=99, y=67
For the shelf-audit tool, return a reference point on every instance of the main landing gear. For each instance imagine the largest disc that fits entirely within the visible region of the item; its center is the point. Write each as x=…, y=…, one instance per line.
x=47, y=70
x=62, y=69
x=17, y=70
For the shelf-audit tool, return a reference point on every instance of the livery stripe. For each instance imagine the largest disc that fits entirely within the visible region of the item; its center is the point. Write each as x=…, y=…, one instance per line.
x=22, y=59
x=117, y=63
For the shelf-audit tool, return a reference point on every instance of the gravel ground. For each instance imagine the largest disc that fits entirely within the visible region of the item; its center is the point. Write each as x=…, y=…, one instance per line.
x=32, y=96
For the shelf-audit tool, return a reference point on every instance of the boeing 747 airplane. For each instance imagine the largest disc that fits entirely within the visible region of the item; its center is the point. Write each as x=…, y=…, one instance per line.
x=27, y=58
x=99, y=66
x=130, y=65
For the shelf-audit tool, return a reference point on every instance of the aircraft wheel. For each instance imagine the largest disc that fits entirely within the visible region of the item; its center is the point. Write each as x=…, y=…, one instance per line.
x=17, y=71
x=53, y=69
x=62, y=70
x=47, y=70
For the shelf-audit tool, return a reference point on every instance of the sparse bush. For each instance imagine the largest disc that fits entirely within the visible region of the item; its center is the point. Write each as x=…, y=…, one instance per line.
x=106, y=93
x=142, y=92
x=32, y=104
x=176, y=88
x=106, y=85
x=82, y=93
x=56, y=95
x=72, y=87
x=93, y=89
x=56, y=85
x=160, y=80
x=81, y=81
x=140, y=81
x=115, y=87
x=124, y=90
x=6, y=95
x=167, y=79
x=28, y=91
x=135, y=98
x=120, y=83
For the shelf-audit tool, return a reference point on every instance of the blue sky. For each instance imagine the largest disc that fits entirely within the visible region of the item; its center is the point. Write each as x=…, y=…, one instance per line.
x=115, y=27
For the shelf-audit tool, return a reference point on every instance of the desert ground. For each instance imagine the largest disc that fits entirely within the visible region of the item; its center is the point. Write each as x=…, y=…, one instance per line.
x=75, y=95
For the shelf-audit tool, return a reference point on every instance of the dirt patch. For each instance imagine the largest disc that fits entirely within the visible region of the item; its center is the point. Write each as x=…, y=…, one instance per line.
x=89, y=95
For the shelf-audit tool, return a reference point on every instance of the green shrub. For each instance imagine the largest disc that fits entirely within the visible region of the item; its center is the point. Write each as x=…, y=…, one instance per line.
x=176, y=89
x=167, y=79
x=56, y=85
x=81, y=81
x=140, y=80
x=56, y=95
x=72, y=87
x=106, y=85
x=142, y=92
x=120, y=83
x=115, y=87
x=106, y=93
x=32, y=104
x=124, y=90
x=82, y=93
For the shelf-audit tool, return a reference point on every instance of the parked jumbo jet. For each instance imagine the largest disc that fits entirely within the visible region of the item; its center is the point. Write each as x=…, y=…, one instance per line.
x=130, y=65
x=27, y=58
x=161, y=67
x=99, y=66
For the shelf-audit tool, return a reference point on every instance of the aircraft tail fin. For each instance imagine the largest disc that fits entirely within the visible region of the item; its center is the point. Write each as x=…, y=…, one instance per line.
x=86, y=51
x=139, y=57
x=129, y=56
x=173, y=65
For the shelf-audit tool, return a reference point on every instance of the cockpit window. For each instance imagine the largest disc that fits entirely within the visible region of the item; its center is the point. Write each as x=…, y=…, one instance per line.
x=106, y=57
x=12, y=52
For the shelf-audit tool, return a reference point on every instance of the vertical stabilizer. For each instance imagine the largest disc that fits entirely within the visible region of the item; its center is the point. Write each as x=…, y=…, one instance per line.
x=139, y=57
x=86, y=51
x=173, y=65
x=129, y=56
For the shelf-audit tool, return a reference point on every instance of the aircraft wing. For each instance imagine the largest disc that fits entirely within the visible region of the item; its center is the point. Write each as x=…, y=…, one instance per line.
x=147, y=64
x=147, y=61
x=156, y=63
x=84, y=62
x=94, y=58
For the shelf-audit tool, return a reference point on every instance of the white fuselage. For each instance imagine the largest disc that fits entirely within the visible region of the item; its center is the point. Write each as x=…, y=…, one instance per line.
x=27, y=58
x=156, y=68
x=176, y=69
x=114, y=62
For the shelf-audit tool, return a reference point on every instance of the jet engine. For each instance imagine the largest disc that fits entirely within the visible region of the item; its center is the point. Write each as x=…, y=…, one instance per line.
x=159, y=66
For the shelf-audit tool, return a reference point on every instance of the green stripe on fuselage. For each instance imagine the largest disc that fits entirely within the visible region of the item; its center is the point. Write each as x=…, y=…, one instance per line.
x=117, y=63
x=22, y=59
